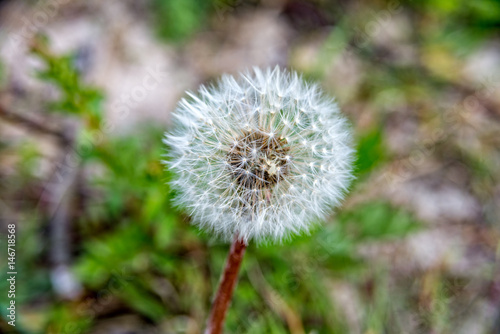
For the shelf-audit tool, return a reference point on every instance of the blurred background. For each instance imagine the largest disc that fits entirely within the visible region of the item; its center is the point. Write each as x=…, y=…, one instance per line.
x=86, y=92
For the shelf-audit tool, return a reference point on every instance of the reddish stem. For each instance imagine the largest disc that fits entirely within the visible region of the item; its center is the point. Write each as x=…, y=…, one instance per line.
x=226, y=287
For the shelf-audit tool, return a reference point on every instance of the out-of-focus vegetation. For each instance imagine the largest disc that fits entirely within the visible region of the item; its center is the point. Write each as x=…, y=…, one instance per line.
x=138, y=262
x=135, y=252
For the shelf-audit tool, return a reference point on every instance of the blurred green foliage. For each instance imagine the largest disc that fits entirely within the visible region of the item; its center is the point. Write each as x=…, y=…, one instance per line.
x=138, y=251
x=177, y=20
x=136, y=254
x=371, y=151
x=75, y=97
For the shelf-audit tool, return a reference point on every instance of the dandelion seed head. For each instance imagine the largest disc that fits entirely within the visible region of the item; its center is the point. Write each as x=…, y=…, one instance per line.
x=245, y=154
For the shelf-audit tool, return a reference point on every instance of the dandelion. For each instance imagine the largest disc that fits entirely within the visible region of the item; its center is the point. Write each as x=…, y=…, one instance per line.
x=261, y=157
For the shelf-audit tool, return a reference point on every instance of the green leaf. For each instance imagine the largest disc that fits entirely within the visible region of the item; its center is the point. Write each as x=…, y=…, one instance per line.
x=377, y=220
x=140, y=299
x=371, y=150
x=177, y=20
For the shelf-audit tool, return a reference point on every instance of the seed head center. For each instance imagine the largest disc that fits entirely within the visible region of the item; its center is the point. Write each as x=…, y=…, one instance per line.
x=258, y=161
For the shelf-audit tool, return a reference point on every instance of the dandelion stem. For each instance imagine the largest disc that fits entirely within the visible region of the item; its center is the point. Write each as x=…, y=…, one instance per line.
x=226, y=287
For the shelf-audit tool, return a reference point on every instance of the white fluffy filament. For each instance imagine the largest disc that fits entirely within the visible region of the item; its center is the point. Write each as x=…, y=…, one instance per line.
x=263, y=156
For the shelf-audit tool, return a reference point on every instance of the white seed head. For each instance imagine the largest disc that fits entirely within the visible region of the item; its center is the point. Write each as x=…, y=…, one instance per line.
x=247, y=154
